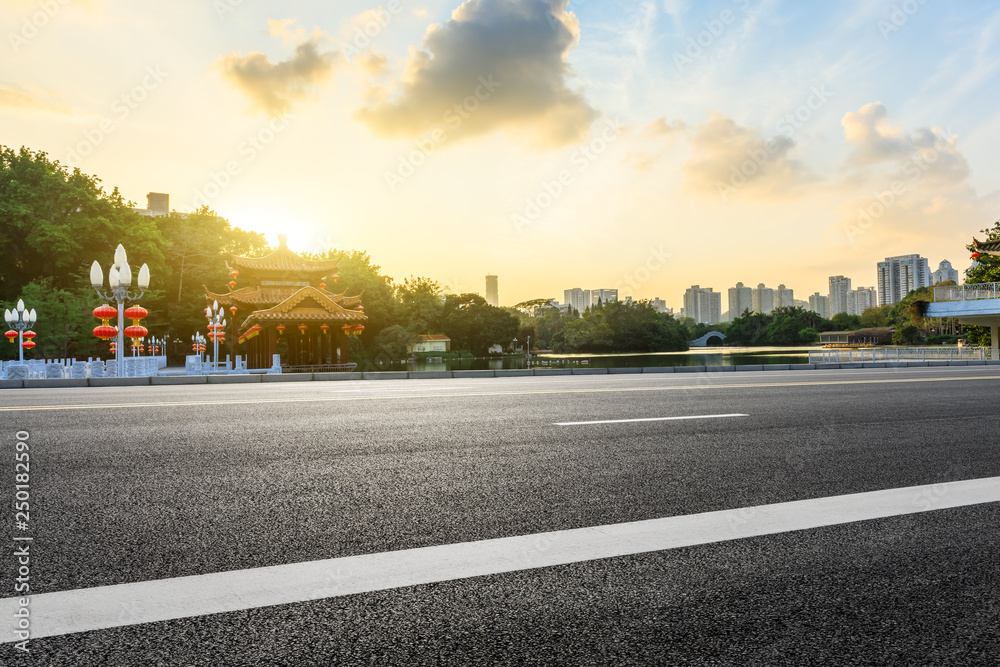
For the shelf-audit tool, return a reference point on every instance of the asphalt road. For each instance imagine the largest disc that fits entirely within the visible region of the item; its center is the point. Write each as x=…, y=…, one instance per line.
x=133, y=485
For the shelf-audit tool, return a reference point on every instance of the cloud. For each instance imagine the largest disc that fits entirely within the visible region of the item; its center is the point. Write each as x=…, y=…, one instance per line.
x=655, y=140
x=728, y=158
x=521, y=46
x=904, y=184
x=36, y=99
x=274, y=88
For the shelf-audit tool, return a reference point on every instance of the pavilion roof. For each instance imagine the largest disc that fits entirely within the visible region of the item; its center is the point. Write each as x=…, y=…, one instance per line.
x=988, y=247
x=255, y=295
x=308, y=304
x=283, y=260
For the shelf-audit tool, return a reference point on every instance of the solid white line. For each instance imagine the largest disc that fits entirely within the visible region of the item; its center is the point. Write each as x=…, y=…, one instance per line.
x=183, y=597
x=648, y=419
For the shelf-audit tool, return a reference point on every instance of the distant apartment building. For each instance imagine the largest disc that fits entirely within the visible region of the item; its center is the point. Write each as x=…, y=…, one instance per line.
x=784, y=297
x=820, y=305
x=861, y=300
x=763, y=299
x=493, y=290
x=157, y=204
x=577, y=299
x=840, y=295
x=740, y=300
x=658, y=304
x=944, y=273
x=703, y=305
x=898, y=276
x=603, y=296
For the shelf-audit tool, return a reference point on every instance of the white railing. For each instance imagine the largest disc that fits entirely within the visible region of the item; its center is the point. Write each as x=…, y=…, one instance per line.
x=879, y=354
x=967, y=292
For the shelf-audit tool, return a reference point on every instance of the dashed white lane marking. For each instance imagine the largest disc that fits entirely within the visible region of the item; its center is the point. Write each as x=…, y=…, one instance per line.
x=104, y=607
x=649, y=419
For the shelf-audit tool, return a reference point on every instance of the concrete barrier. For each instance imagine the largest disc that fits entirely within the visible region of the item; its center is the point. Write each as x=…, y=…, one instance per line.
x=689, y=369
x=658, y=369
x=719, y=369
x=777, y=367
x=750, y=367
x=873, y=364
x=429, y=375
x=553, y=371
x=52, y=383
x=179, y=379
x=913, y=364
x=385, y=375
x=589, y=371
x=624, y=371
x=514, y=373
x=118, y=382
x=325, y=377
x=803, y=367
x=473, y=374
x=11, y=384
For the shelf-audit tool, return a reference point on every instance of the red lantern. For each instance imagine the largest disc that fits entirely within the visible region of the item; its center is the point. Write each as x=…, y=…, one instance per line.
x=11, y=335
x=105, y=332
x=346, y=329
x=136, y=313
x=135, y=332
x=975, y=255
x=234, y=273
x=324, y=328
x=280, y=329
x=232, y=284
x=28, y=344
x=335, y=277
x=232, y=310
x=29, y=334
x=302, y=329
x=105, y=313
x=322, y=285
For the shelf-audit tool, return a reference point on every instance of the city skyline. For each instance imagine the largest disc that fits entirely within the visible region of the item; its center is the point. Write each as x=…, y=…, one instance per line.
x=806, y=142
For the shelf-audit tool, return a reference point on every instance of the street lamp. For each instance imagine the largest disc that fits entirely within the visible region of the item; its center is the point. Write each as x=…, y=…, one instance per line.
x=21, y=321
x=119, y=282
x=198, y=344
x=216, y=317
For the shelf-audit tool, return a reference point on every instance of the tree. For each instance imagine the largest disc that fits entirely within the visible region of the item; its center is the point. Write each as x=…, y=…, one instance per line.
x=474, y=325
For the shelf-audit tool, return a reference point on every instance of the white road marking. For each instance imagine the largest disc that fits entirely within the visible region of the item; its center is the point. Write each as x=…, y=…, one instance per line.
x=648, y=419
x=104, y=607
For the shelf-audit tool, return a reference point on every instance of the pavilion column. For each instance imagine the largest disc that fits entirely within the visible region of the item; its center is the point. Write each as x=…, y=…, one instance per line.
x=272, y=347
x=343, y=349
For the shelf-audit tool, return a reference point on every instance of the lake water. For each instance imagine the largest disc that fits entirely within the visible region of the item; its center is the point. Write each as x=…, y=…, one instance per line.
x=701, y=356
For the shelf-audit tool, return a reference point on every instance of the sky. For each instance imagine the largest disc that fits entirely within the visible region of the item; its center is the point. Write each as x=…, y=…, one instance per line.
x=643, y=146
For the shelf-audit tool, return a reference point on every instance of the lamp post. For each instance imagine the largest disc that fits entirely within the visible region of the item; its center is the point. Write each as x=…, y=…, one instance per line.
x=216, y=325
x=119, y=282
x=198, y=344
x=21, y=321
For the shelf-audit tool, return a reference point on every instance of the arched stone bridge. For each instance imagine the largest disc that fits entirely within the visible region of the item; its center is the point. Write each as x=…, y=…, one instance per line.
x=704, y=340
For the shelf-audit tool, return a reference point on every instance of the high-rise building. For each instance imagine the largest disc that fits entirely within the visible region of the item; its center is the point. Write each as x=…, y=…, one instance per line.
x=577, y=299
x=784, y=297
x=603, y=296
x=492, y=290
x=840, y=295
x=703, y=305
x=658, y=304
x=740, y=300
x=944, y=273
x=820, y=305
x=763, y=299
x=898, y=276
x=861, y=300
x=157, y=204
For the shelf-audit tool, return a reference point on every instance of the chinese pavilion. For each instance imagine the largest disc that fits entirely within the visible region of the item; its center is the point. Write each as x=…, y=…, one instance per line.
x=284, y=297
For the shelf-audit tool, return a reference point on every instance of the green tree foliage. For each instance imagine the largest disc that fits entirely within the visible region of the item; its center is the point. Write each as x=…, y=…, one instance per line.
x=783, y=326
x=474, y=325
x=392, y=343
x=619, y=326
x=421, y=305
